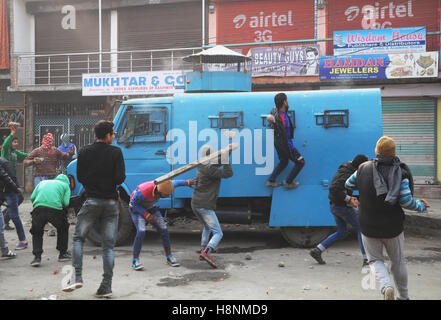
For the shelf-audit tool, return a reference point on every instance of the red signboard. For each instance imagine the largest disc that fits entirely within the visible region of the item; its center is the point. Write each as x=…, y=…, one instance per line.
x=261, y=20
x=378, y=14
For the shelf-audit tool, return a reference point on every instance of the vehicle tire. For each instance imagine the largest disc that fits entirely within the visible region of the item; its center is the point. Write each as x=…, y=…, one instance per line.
x=305, y=237
x=126, y=229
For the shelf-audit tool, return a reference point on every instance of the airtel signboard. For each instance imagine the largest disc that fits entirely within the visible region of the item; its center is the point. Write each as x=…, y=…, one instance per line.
x=368, y=14
x=261, y=21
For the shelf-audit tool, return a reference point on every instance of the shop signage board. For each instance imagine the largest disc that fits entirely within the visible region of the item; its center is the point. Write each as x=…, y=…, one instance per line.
x=379, y=66
x=389, y=40
x=371, y=15
x=132, y=83
x=286, y=61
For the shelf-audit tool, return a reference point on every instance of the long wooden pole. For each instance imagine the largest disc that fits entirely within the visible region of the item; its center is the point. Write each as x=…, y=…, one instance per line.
x=194, y=164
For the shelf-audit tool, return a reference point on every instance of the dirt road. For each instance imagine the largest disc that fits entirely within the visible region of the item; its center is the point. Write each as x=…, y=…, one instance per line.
x=255, y=263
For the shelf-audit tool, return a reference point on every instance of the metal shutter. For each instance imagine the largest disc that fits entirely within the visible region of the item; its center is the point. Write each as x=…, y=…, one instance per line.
x=411, y=123
x=160, y=26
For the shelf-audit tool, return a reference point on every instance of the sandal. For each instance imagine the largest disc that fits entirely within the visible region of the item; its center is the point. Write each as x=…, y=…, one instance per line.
x=9, y=255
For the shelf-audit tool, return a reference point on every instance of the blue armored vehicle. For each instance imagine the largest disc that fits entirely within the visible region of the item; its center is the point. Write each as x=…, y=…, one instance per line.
x=158, y=135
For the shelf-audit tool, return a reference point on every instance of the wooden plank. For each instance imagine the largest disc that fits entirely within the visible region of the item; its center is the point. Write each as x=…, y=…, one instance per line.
x=194, y=164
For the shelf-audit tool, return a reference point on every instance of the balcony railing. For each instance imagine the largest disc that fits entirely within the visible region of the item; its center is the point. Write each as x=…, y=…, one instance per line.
x=49, y=70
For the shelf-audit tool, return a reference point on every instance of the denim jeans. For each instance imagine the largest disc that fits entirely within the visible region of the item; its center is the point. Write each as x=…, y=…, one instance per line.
x=12, y=200
x=343, y=215
x=299, y=164
x=211, y=225
x=106, y=212
x=159, y=225
x=3, y=244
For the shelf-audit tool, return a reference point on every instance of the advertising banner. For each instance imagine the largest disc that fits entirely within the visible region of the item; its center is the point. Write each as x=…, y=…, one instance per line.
x=286, y=61
x=132, y=83
x=390, y=40
x=369, y=15
x=379, y=66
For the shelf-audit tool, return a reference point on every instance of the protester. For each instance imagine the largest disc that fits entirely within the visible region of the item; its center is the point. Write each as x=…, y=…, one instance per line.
x=50, y=200
x=11, y=153
x=385, y=185
x=142, y=208
x=203, y=202
x=7, y=184
x=9, y=194
x=100, y=169
x=283, y=135
x=65, y=146
x=45, y=159
x=342, y=208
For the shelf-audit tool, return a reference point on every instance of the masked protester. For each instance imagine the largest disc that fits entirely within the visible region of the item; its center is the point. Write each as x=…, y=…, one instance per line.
x=45, y=159
x=65, y=146
x=142, y=208
x=11, y=153
x=203, y=202
x=385, y=185
x=343, y=208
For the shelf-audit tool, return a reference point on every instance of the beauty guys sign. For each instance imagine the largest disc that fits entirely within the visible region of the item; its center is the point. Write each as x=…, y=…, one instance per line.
x=391, y=40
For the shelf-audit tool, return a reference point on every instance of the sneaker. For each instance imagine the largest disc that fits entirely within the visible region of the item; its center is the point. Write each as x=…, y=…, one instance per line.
x=21, y=245
x=52, y=233
x=389, y=293
x=365, y=263
x=104, y=291
x=273, y=184
x=36, y=262
x=291, y=185
x=9, y=255
x=73, y=284
x=137, y=265
x=317, y=255
x=8, y=227
x=172, y=261
x=64, y=257
x=204, y=255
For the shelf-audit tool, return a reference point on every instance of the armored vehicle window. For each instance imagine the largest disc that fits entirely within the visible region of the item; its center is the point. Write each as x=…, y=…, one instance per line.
x=227, y=120
x=146, y=125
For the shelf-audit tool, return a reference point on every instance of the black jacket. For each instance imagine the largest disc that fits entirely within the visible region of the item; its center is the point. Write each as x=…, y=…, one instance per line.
x=100, y=169
x=337, y=192
x=280, y=137
x=377, y=218
x=8, y=180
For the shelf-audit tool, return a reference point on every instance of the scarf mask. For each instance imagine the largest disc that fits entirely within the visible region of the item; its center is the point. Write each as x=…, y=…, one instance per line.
x=48, y=141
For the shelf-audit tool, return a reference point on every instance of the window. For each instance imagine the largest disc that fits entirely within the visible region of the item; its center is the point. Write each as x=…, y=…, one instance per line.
x=144, y=125
x=333, y=118
x=227, y=120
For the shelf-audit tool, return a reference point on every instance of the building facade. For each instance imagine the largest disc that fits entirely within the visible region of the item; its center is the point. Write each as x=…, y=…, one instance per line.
x=52, y=44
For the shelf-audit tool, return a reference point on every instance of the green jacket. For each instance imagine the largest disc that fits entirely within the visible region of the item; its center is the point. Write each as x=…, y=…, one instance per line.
x=52, y=193
x=12, y=156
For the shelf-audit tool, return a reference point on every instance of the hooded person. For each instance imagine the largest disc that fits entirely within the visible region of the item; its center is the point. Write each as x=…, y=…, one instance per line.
x=65, y=146
x=385, y=187
x=45, y=159
x=11, y=153
x=142, y=209
x=50, y=200
x=342, y=206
